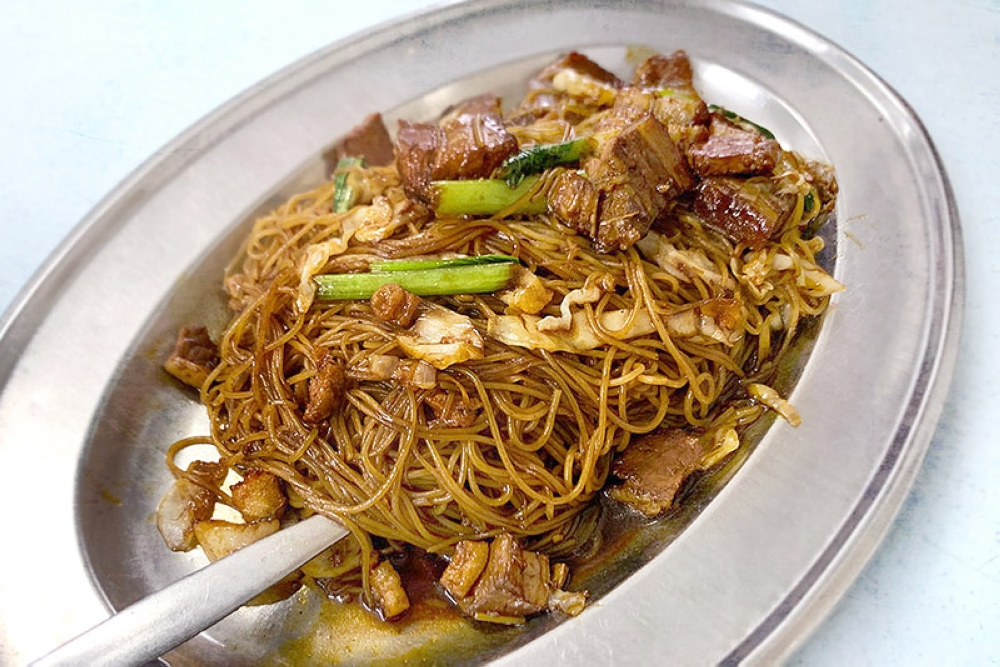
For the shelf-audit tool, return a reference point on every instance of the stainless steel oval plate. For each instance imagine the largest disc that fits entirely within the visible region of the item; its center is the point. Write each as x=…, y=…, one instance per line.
x=85, y=416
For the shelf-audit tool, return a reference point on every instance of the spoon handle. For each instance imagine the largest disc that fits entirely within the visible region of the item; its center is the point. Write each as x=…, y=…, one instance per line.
x=157, y=623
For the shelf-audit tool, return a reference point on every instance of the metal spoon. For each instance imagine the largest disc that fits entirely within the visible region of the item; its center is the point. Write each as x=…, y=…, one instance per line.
x=154, y=625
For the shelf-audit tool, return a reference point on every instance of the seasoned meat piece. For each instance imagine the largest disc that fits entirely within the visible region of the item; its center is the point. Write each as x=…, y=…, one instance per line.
x=747, y=211
x=326, y=389
x=653, y=467
x=572, y=74
x=514, y=582
x=451, y=410
x=732, y=150
x=476, y=141
x=417, y=144
x=662, y=71
x=574, y=199
x=502, y=582
x=259, y=496
x=470, y=141
x=390, y=597
x=684, y=113
x=194, y=356
x=393, y=304
x=668, y=81
x=369, y=140
x=580, y=64
x=672, y=80
x=465, y=567
x=638, y=171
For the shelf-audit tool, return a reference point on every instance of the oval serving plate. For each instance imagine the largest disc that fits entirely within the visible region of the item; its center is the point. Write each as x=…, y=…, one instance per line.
x=747, y=578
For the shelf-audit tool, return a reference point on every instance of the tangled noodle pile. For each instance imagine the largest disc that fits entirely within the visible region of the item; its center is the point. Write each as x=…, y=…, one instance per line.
x=510, y=424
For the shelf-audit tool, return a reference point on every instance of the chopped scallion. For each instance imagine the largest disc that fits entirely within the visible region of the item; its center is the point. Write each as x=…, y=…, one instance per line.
x=808, y=202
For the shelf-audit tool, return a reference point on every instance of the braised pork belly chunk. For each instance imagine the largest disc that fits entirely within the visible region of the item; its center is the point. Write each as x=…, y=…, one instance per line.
x=579, y=65
x=731, y=150
x=470, y=141
x=637, y=172
x=572, y=74
x=748, y=212
x=194, y=356
x=665, y=71
x=653, y=468
x=670, y=81
x=390, y=596
x=502, y=582
x=575, y=200
x=369, y=140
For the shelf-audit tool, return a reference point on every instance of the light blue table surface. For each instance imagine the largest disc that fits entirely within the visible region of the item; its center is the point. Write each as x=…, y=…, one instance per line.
x=88, y=93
